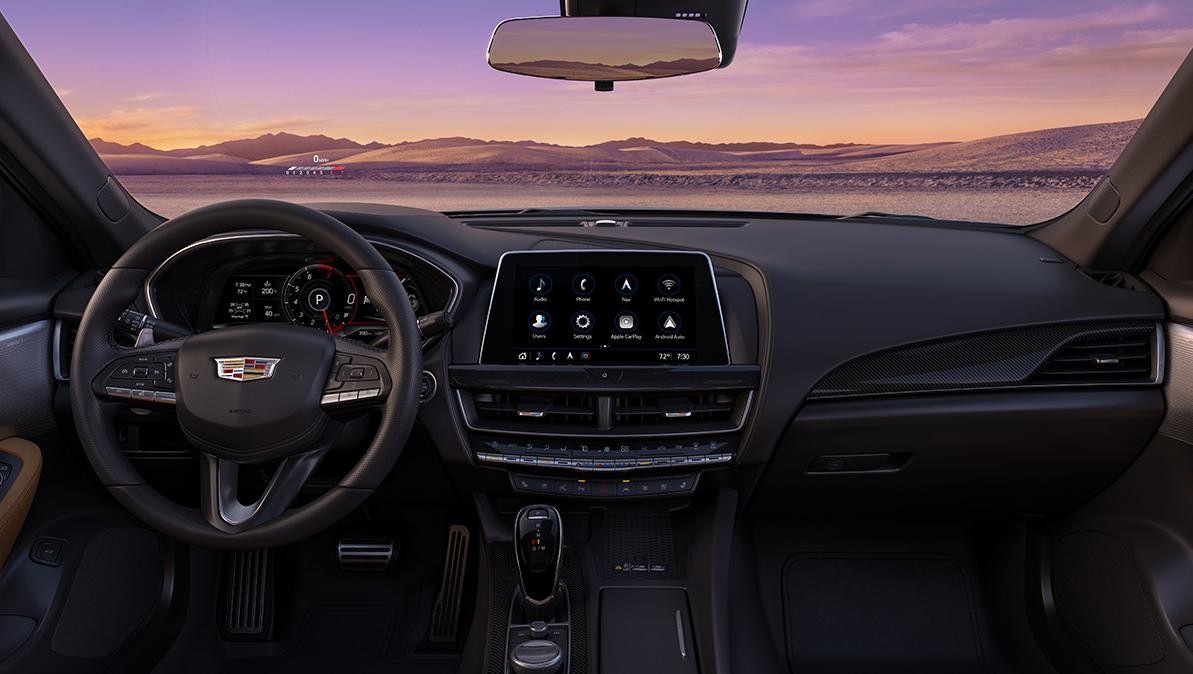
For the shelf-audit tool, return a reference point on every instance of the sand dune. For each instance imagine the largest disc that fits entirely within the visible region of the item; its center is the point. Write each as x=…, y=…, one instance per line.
x=1080, y=148
x=1074, y=148
x=156, y=164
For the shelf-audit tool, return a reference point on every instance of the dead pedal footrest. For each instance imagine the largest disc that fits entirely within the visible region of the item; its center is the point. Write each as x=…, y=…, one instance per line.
x=445, y=617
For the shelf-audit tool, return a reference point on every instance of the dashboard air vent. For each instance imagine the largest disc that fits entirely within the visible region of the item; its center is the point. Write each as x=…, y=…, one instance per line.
x=568, y=410
x=1101, y=360
x=668, y=409
x=611, y=414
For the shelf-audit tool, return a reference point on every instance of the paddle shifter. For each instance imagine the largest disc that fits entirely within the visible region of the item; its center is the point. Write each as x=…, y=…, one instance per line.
x=538, y=545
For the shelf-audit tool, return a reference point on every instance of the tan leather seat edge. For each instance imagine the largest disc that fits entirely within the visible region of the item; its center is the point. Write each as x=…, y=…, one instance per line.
x=19, y=496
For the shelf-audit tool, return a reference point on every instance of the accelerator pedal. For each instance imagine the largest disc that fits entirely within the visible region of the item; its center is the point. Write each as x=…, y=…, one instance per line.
x=445, y=617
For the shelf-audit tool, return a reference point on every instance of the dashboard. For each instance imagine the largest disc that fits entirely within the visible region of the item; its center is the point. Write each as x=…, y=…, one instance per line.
x=817, y=366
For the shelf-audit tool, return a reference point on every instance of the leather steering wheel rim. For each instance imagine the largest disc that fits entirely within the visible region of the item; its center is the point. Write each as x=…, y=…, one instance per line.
x=95, y=349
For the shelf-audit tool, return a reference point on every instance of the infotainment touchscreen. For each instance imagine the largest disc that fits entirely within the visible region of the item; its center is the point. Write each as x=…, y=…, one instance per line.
x=605, y=308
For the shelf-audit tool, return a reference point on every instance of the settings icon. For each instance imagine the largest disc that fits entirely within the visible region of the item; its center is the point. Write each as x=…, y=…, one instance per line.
x=582, y=321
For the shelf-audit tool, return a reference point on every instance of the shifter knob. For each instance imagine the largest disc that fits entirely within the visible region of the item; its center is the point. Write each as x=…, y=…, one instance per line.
x=538, y=545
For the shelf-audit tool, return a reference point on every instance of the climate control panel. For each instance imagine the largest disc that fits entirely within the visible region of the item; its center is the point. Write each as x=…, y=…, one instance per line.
x=605, y=455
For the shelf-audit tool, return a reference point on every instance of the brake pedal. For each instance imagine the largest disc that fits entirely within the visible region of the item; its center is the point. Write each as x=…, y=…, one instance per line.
x=365, y=553
x=445, y=617
x=248, y=595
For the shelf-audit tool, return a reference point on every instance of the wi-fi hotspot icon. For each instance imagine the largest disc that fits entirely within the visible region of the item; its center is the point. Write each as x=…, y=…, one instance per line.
x=668, y=285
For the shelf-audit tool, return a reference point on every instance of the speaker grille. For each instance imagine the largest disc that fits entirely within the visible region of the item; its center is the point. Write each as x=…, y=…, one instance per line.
x=1103, y=202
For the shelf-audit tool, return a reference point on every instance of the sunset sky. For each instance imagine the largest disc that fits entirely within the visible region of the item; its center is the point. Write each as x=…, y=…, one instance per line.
x=177, y=74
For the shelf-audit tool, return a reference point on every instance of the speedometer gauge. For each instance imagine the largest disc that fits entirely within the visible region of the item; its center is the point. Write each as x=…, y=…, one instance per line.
x=320, y=296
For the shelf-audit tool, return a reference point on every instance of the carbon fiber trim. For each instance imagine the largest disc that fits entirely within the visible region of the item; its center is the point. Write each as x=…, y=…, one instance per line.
x=988, y=360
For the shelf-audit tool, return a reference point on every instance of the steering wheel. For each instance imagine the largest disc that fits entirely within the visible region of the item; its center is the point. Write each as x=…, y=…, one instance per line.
x=250, y=394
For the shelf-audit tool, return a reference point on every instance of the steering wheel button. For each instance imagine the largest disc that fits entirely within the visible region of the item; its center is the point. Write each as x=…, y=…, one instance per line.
x=368, y=393
x=357, y=373
x=348, y=396
x=167, y=397
x=118, y=392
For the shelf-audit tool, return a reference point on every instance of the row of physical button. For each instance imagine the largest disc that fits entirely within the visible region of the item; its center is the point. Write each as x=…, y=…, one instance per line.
x=349, y=396
x=662, y=486
x=601, y=465
x=624, y=450
x=141, y=395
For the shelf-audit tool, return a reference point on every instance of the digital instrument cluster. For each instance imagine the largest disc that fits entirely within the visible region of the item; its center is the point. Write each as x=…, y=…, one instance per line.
x=324, y=295
x=605, y=308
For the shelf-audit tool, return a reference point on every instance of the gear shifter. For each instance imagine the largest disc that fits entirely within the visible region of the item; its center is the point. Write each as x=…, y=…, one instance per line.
x=538, y=545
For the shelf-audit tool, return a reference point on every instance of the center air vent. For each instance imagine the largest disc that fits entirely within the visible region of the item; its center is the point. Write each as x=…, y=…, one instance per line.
x=653, y=409
x=570, y=410
x=1101, y=360
x=614, y=414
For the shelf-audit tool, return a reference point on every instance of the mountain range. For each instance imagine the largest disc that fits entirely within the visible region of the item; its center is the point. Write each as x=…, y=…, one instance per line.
x=1090, y=147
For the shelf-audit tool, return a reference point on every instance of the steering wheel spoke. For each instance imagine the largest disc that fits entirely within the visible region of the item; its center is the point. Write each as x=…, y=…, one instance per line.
x=359, y=379
x=221, y=504
x=141, y=376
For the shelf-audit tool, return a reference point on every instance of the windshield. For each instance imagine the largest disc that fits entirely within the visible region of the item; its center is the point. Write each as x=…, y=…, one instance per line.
x=993, y=111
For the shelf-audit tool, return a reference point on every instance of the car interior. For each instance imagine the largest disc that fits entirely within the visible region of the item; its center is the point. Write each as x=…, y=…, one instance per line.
x=360, y=437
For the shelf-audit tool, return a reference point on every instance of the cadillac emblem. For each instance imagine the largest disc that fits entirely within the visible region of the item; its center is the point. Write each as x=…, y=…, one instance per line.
x=245, y=368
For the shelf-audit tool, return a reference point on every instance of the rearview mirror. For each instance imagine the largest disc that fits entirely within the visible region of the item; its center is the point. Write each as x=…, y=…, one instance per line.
x=603, y=48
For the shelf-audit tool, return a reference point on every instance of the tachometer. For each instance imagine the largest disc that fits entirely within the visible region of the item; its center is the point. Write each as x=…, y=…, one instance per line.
x=320, y=296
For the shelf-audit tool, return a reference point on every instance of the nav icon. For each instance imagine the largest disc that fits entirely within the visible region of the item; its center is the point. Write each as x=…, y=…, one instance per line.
x=626, y=284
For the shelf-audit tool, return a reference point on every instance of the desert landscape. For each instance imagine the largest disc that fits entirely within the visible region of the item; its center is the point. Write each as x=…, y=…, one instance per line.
x=1019, y=178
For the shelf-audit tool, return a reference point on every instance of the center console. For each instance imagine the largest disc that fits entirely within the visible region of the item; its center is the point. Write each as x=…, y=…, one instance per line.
x=605, y=374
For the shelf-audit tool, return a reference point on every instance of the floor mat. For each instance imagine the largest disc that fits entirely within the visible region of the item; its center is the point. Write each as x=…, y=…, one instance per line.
x=863, y=614
x=336, y=621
